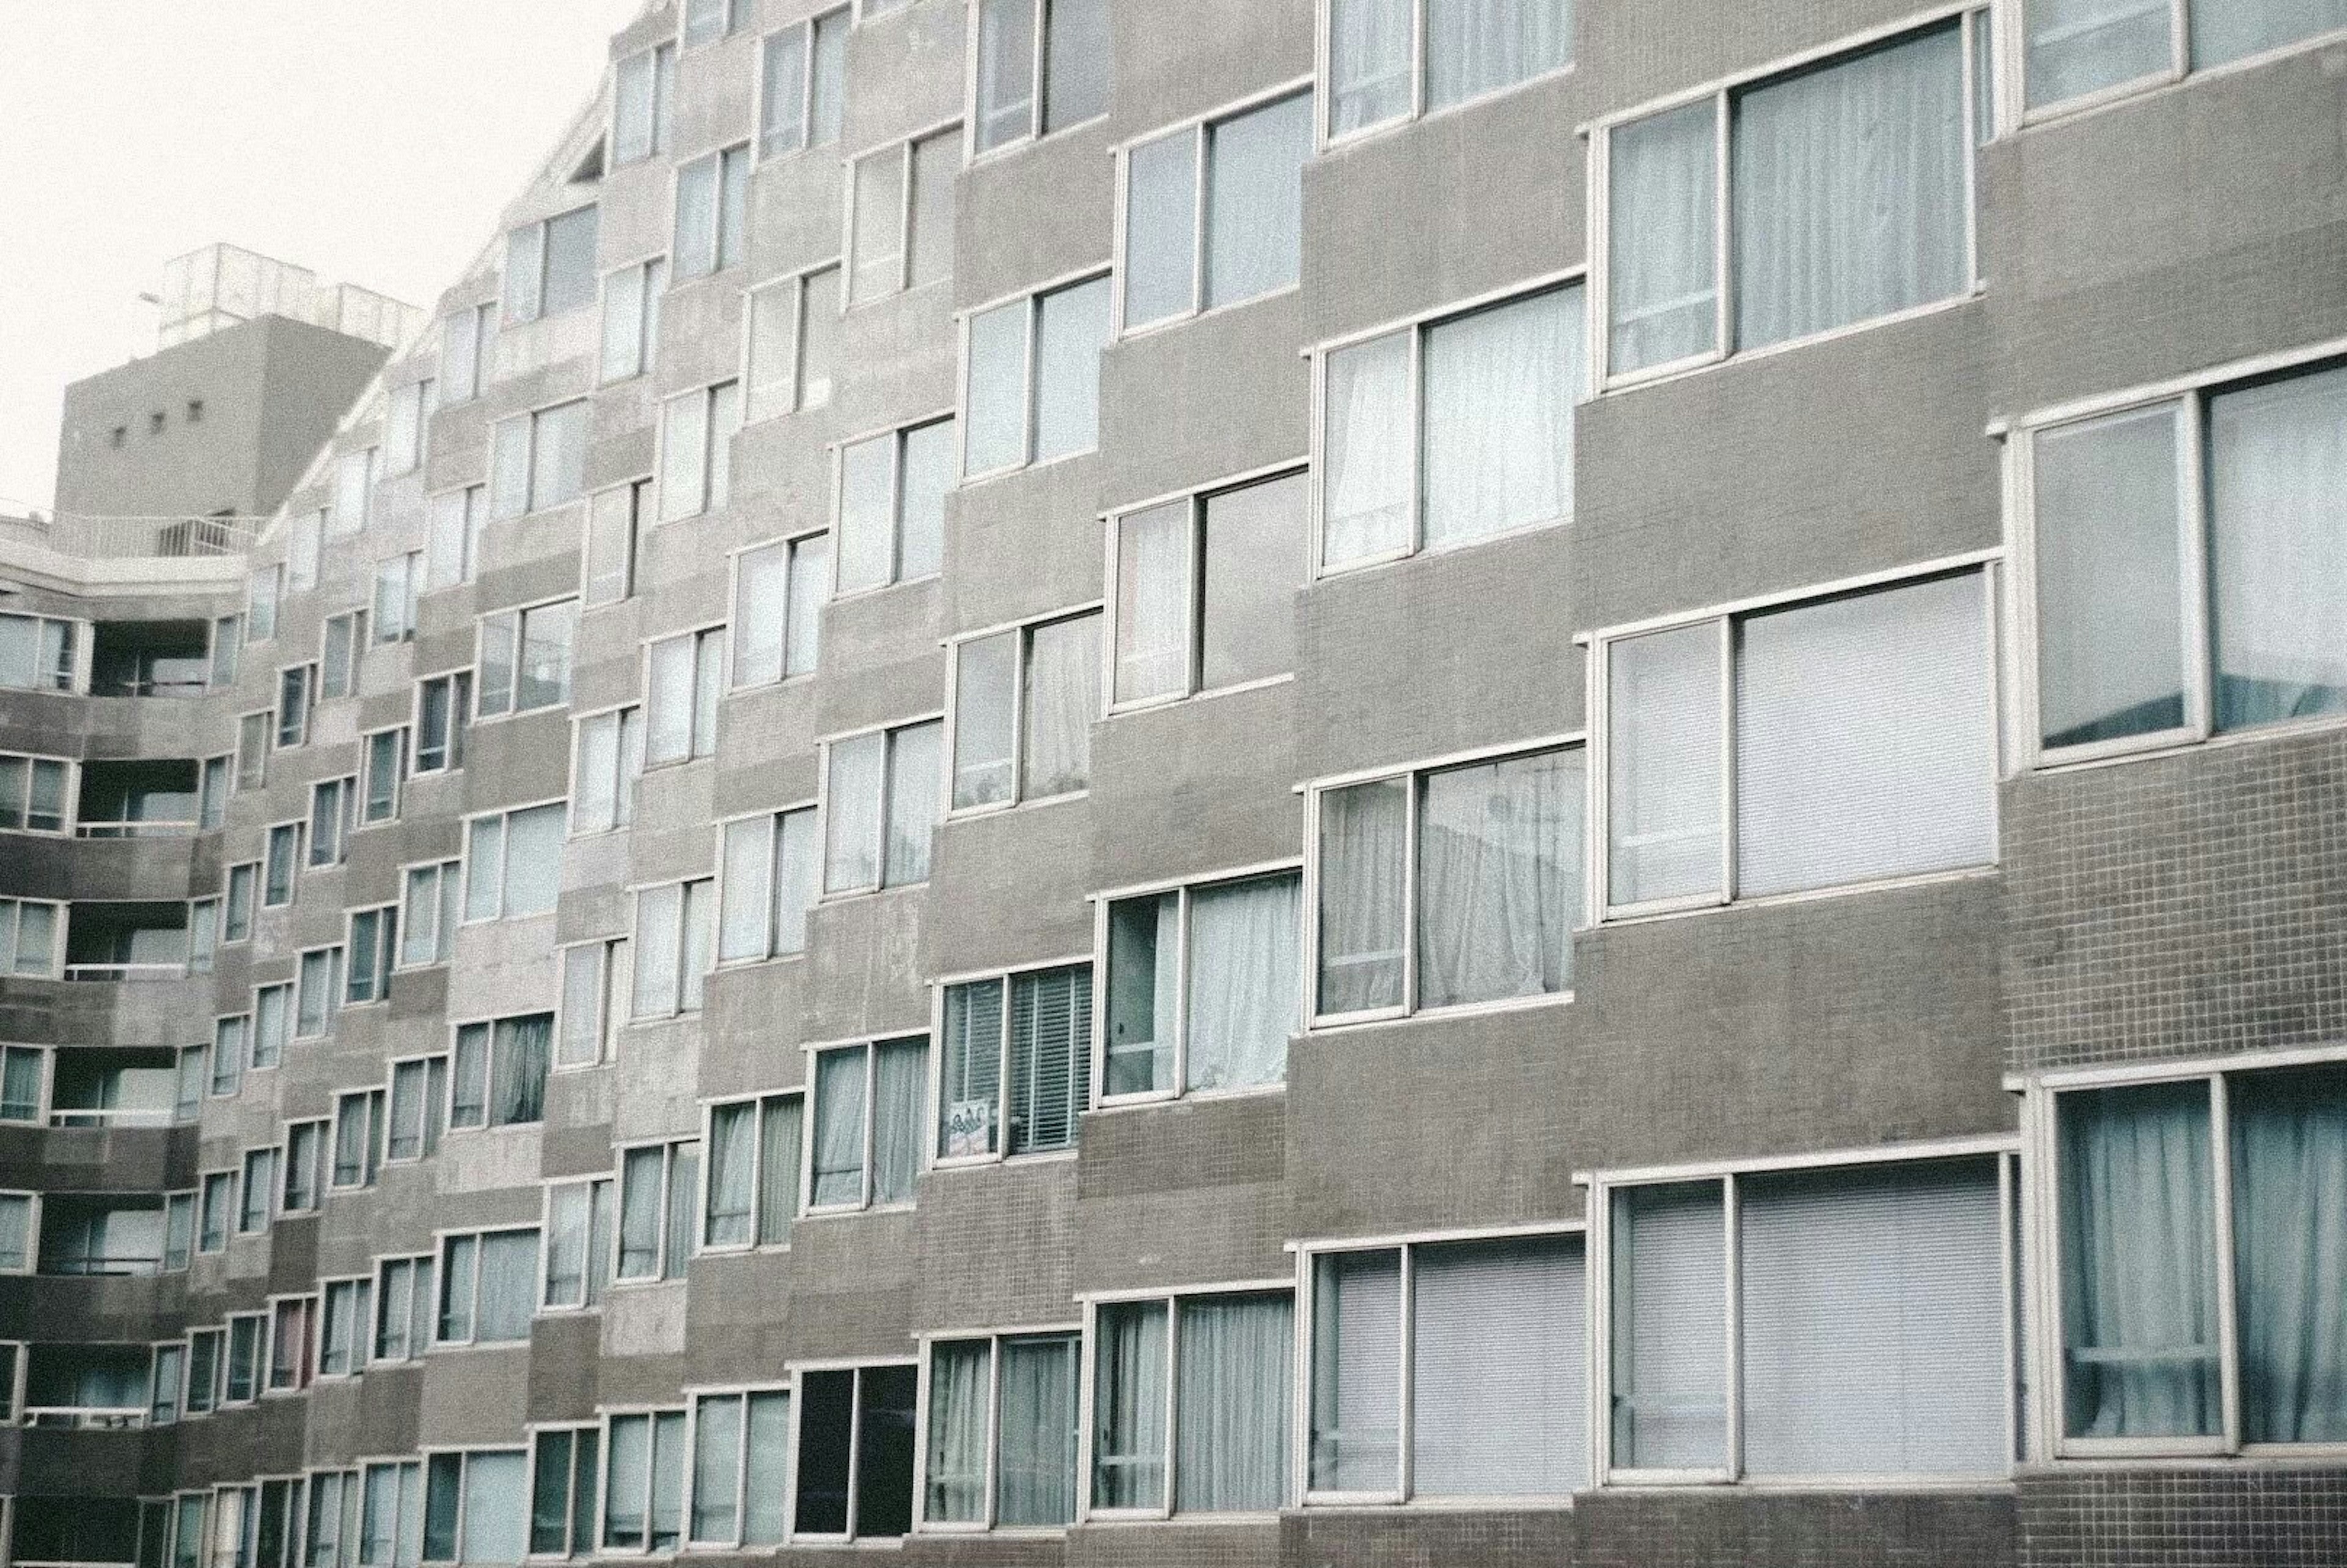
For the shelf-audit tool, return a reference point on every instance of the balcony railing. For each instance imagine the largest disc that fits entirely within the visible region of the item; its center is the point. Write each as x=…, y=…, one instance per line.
x=103, y=1265
x=144, y=829
x=117, y=972
x=97, y=1116
x=130, y=538
x=86, y=1418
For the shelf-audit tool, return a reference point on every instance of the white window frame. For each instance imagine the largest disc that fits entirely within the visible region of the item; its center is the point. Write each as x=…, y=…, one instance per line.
x=789, y=544
x=422, y=1306
x=541, y=227
x=627, y=775
x=897, y=434
x=486, y=318
x=1033, y=299
x=69, y=794
x=520, y=614
x=1038, y=90
x=715, y=487
x=880, y=852
x=387, y=940
x=674, y=1007
x=993, y=1338
x=613, y=974
x=796, y=283
x=299, y=828
x=652, y=281
x=760, y=153
x=800, y=1100
x=925, y=1121
x=478, y=1236
x=772, y=818
x=678, y=277
x=661, y=100
x=2013, y=52
x=638, y=495
x=505, y=817
x=1325, y=135
x=591, y=1295
x=431, y=1105
x=932, y=1133
x=1023, y=632
x=792, y=1535
x=903, y=150
x=711, y=640
x=460, y=685
x=671, y=1250
x=366, y=792
x=693, y=1396
x=331, y=957
x=532, y=503
x=443, y=941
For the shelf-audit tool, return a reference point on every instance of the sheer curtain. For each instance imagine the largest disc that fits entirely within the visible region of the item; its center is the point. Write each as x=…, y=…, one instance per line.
x=1368, y=62
x=1499, y=1376
x=1476, y=46
x=1664, y=808
x=1070, y=329
x=1160, y=215
x=1670, y=1326
x=810, y=587
x=1129, y=1469
x=1036, y=1461
x=1363, y=877
x=1255, y=200
x=1356, y=1372
x=838, y=1128
x=1665, y=179
x=1062, y=700
x=2079, y=46
x=2138, y=1263
x=2277, y=549
x=1232, y=1396
x=1244, y=981
x=2288, y=1134
x=1367, y=448
x=732, y=1163
x=1500, y=391
x=1850, y=190
x=518, y=1070
x=508, y=1285
x=851, y=809
x=716, y=1468
x=1498, y=872
x=1153, y=572
x=778, y=1168
x=912, y=800
x=899, y=1082
x=957, y=1458
x=763, y=1481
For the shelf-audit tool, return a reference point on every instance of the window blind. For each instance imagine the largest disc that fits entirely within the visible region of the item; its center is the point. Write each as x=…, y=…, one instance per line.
x=1356, y=1372
x=1500, y=1383
x=1670, y=1327
x=1051, y=1038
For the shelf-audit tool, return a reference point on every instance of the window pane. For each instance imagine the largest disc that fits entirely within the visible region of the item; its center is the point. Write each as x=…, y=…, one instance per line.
x=778, y=1170
x=1363, y=920
x=743, y=918
x=878, y=252
x=1076, y=64
x=570, y=260
x=2138, y=1244
x=493, y=1515
x=783, y=94
x=1500, y=1370
x=1232, y=1390
x=1006, y=71
x=668, y=703
x=1161, y=236
x=1665, y=178
x=1255, y=553
x=900, y=1088
x=773, y=350
x=1476, y=46
x=1129, y=1404
x=2110, y=601
x=1154, y=579
x=1664, y=803
x=2225, y=33
x=1035, y=1462
x=763, y=1481
x=798, y=878
x=995, y=402
x=838, y=1154
x=935, y=163
x=1356, y=1372
x=716, y=1469
x=2289, y=1137
x=533, y=860
x=1367, y=448
x=852, y=814
x=810, y=585
x=558, y=456
x=1255, y=200
x=623, y=324
x=1143, y=942
x=1368, y=62
x=867, y=483
x=819, y=337
x=826, y=1429
x=684, y=456
x=1244, y=982
x=928, y=475
x=1669, y=1328
x=913, y=763
x=658, y=949
x=2277, y=549
x=1070, y=330
x=2079, y=46
x=1061, y=699
x=969, y=1071
x=1499, y=391
x=960, y=1394
x=1051, y=1048
x=826, y=93
x=696, y=247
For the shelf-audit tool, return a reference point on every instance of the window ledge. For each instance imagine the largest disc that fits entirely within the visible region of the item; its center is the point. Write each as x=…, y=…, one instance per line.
x=1124, y=1105
x=1041, y=464
x=859, y=595
x=1636, y=381
x=2224, y=739
x=1344, y=1025
x=1204, y=313
x=1810, y=896
x=1388, y=128
x=1237, y=687
x=1012, y=808
x=1027, y=143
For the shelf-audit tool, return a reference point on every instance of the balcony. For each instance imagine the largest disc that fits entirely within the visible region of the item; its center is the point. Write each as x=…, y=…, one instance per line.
x=139, y=800
x=107, y=1089
x=150, y=659
x=74, y=1531
x=85, y=1387
x=126, y=942
x=86, y=1235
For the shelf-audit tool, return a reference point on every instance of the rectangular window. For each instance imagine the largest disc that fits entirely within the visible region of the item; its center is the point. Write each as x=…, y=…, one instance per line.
x=579, y=1220
x=615, y=519
x=706, y=21
x=30, y=658
x=373, y=936
x=1205, y=988
x=566, y=1463
x=1042, y=66
x=592, y=974
x=236, y=910
x=385, y=757
x=488, y=1287
x=444, y=708
x=252, y=736
x=294, y=688
x=166, y=1384
x=778, y=596
x=671, y=948
x=880, y=803
x=741, y=1449
x=643, y=104
x=1031, y=386
x=212, y=789
x=397, y=583
x=467, y=351
x=866, y=1145
x=391, y=1516
x=1038, y=1050
x=1862, y=747
x=1024, y=703
x=801, y=82
x=659, y=1184
x=233, y=1038
x=319, y=992
x=632, y=312
x=205, y=1353
x=1393, y=59
x=402, y=1310
x=497, y=1077
x=18, y=1240
x=33, y=794
x=354, y=476
x=772, y=878
x=901, y=216
x=891, y=518
x=1205, y=591
x=429, y=914
x=330, y=820
x=346, y=1315
x=794, y=343
x=417, y=1111
x=358, y=1139
x=305, y=538
x=228, y=651
x=643, y=1483
x=856, y=1453
x=2075, y=53
x=685, y=676
x=43, y=655
x=1002, y=1432
x=525, y=659
x=1213, y=214
x=281, y=864
x=697, y=430
x=551, y=266
x=304, y=1184
x=476, y=1506
x=407, y=426
x=1843, y=195
x=246, y=1333
x=258, y=1190
x=1449, y=887
x=712, y=205
x=215, y=1211
x=607, y=756
x=453, y=546
x=292, y=1339
x=513, y=863
x=22, y=1071
x=28, y=937
x=1216, y=1441
x=753, y=1172
x=539, y=461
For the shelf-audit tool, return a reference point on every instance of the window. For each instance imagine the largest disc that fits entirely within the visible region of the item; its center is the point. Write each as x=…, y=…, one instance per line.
x=753, y=1172
x=236, y=911
x=643, y=104
x=1862, y=747
x=2076, y=53
x=397, y=581
x=258, y=1188
x=801, y=84
x=444, y=707
x=52, y=667
x=294, y=689
x=772, y=878
x=879, y=803
x=407, y=427
x=373, y=936
x=686, y=677
x=340, y=641
x=320, y=990
x=497, y=1075
x=1031, y=387
x=867, y=1144
x=538, y=460
x=281, y=863
x=643, y=1483
x=1443, y=435
x=1024, y=702
x=1042, y=66
x=252, y=736
x=1488, y=1339
x=1204, y=988
x=227, y=649
x=855, y=1470
x=330, y=820
x=1849, y=1282
x=671, y=948
x=166, y=1382
x=205, y=1354
x=551, y=266
x=430, y=914
x=1219, y=1442
x=513, y=863
x=1039, y=1047
x=794, y=343
x=778, y=595
x=348, y=1311
x=391, y=1515
x=2188, y=561
x=631, y=310
x=1213, y=214
x=332, y=1520
x=43, y=655
x=566, y=1463
x=659, y=1183
x=1205, y=591
x=1449, y=887
x=578, y=1243
x=32, y=795
x=212, y=789
x=403, y=1311
x=591, y=978
x=615, y=519
x=488, y=1287
x=1394, y=59
x=741, y=1452
x=891, y=506
x=452, y=548
x=706, y=21
x=712, y=204
x=1002, y=1432
x=23, y=1069
x=246, y=1332
x=305, y=538
x=303, y=1186
x=901, y=216
x=477, y=1506
x=17, y=1228
x=28, y=937
x=233, y=1040
x=697, y=430
x=524, y=661
x=291, y=1331
x=358, y=1139
x=467, y=351
x=215, y=1211
x=1843, y=196
x=383, y=755
x=354, y=508
x=609, y=755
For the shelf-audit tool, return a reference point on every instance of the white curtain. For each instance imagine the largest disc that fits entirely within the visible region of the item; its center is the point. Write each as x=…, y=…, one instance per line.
x=496, y=1514
x=2079, y=46
x=508, y=1285
x=2138, y=1263
x=1244, y=981
x=1035, y=1483
x=1062, y=700
x=1154, y=569
x=716, y=1468
x=2278, y=549
x=1670, y=1326
x=900, y=1077
x=1476, y=46
x=1368, y=449
x=1356, y=1372
x=1850, y=190
x=985, y=693
x=995, y=401
x=867, y=504
x=1129, y=1406
x=1368, y=62
x=518, y=1070
x=1499, y=875
x=798, y=877
x=1160, y=216
x=1070, y=329
x=2288, y=1134
x=1664, y=785
x=762, y=609
x=1232, y=1404
x=1499, y=391
x=745, y=912
x=1363, y=874
x=851, y=809
x=1664, y=293
x=958, y=1410
x=625, y=1481
x=778, y=1168
x=1255, y=200
x=733, y=1164
x=783, y=101
x=913, y=763
x=838, y=1128
x=666, y=1519
x=642, y=1188
x=763, y=1480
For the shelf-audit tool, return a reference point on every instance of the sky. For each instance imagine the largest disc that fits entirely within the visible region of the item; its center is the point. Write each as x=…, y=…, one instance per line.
x=374, y=141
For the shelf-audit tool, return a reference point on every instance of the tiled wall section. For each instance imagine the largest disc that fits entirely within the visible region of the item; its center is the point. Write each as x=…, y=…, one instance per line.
x=2184, y=1519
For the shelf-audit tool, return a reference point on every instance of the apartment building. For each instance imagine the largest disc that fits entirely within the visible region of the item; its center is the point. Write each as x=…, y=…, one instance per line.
x=1289, y=781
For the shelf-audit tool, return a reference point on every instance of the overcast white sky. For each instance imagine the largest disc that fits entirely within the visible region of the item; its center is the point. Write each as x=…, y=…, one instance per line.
x=374, y=141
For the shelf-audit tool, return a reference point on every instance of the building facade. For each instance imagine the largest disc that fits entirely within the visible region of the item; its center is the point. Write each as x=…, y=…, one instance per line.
x=1335, y=782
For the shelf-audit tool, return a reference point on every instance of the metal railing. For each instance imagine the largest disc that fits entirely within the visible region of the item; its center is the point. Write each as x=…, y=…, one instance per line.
x=87, y=1418
x=102, y=1266
x=175, y=972
x=97, y=1116
x=127, y=537
x=119, y=828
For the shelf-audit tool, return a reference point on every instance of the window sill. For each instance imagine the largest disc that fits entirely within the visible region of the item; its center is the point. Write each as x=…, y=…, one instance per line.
x=1126, y=1103
x=1159, y=704
x=971, y=481
x=1437, y=552
x=942, y=1165
x=858, y=595
x=2154, y=85
x=843, y=1213
x=1562, y=1504
x=1029, y=142
x=742, y=966
x=1667, y=1484
x=1343, y=1023
x=1811, y=895
x=1012, y=808
x=1204, y=313
x=2264, y=1456
x=850, y=894
x=788, y=682
x=854, y=308
x=2224, y=740
x=1637, y=380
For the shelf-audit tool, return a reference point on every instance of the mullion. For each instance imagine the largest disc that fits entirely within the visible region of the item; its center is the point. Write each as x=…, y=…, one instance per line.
x=871, y=1185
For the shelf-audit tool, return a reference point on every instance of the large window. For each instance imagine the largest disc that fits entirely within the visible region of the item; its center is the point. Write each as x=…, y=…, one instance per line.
x=358, y=1140
x=643, y=104
x=712, y=212
x=778, y=595
x=1014, y=1079
x=685, y=677
x=578, y=1232
x=1205, y=987
x=865, y=1147
x=1843, y=195
x=551, y=266
x=1839, y=741
x=632, y=312
x=444, y=708
x=607, y=756
x=880, y=803
x=802, y=83
x=2076, y=52
x=891, y=506
x=28, y=937
x=658, y=1185
x=513, y=863
x=1042, y=66
x=476, y=1506
x=753, y=1172
x=1030, y=390
x=794, y=343
x=772, y=876
x=391, y=1515
x=2190, y=560
x=643, y=1481
x=1449, y=1369
x=38, y=654
x=538, y=460
x=1191, y=1404
x=32, y=795
x=1213, y=213
x=1449, y=886
x=901, y=216
x=1459, y=430
x=488, y=1287
x=497, y=1075
x=697, y=430
x=671, y=948
x=1024, y=703
x=1205, y=591
x=525, y=660
x=1002, y=1449
x=566, y=1467
x=2168, y=1195
x=430, y=913
x=740, y=1457
x=856, y=1453
x=1868, y=1339
x=1392, y=60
